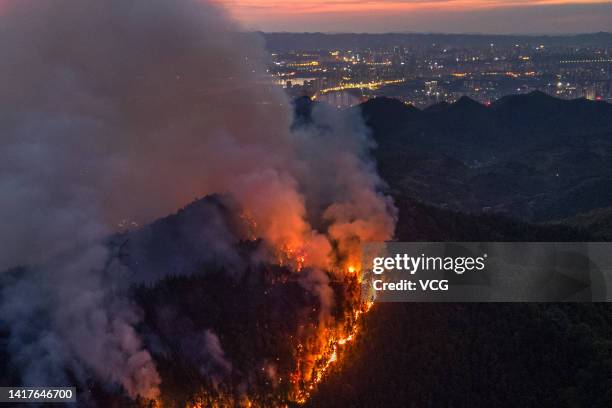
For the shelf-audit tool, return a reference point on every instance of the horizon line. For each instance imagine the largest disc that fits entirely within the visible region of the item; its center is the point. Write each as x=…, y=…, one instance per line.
x=568, y=34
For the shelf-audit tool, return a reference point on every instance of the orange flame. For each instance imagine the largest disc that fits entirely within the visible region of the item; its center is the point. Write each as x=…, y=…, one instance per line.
x=328, y=348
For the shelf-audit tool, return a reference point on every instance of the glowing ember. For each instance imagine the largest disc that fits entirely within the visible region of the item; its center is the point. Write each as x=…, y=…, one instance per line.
x=342, y=342
x=292, y=257
x=331, y=341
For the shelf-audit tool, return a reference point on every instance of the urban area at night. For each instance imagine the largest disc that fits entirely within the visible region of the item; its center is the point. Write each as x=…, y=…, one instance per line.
x=424, y=73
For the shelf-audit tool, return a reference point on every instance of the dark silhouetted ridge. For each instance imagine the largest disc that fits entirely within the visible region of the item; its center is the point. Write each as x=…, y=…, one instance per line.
x=534, y=100
x=437, y=107
x=538, y=109
x=463, y=109
x=389, y=106
x=532, y=156
x=386, y=114
x=466, y=101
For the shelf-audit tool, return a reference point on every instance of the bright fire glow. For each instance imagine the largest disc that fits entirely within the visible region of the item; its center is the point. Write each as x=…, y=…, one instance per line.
x=330, y=353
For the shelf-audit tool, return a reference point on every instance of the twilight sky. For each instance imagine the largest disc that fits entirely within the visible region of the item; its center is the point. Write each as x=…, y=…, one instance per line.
x=486, y=16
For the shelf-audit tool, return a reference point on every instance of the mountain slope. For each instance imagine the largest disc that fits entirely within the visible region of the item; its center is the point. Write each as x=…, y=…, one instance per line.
x=532, y=156
x=476, y=355
x=597, y=222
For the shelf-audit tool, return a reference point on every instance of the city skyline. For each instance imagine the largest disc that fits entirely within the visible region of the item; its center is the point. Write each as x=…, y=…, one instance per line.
x=450, y=16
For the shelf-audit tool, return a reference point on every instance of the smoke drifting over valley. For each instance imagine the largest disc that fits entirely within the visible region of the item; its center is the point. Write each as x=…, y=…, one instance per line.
x=118, y=112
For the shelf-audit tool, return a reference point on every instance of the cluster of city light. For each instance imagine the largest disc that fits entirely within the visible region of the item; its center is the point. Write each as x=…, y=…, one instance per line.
x=511, y=74
x=376, y=64
x=303, y=64
x=586, y=61
x=457, y=70
x=373, y=85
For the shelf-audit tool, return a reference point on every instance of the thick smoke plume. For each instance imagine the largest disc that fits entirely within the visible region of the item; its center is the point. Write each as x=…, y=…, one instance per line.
x=125, y=110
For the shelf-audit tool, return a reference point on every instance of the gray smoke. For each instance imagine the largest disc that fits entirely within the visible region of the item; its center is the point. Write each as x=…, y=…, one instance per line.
x=125, y=110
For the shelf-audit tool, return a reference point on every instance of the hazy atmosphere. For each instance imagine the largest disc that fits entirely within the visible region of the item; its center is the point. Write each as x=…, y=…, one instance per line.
x=343, y=203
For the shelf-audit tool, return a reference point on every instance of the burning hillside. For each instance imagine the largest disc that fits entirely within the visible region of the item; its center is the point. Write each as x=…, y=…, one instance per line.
x=117, y=112
x=239, y=328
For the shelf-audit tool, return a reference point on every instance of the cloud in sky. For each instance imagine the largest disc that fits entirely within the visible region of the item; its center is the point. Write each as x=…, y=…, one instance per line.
x=493, y=16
